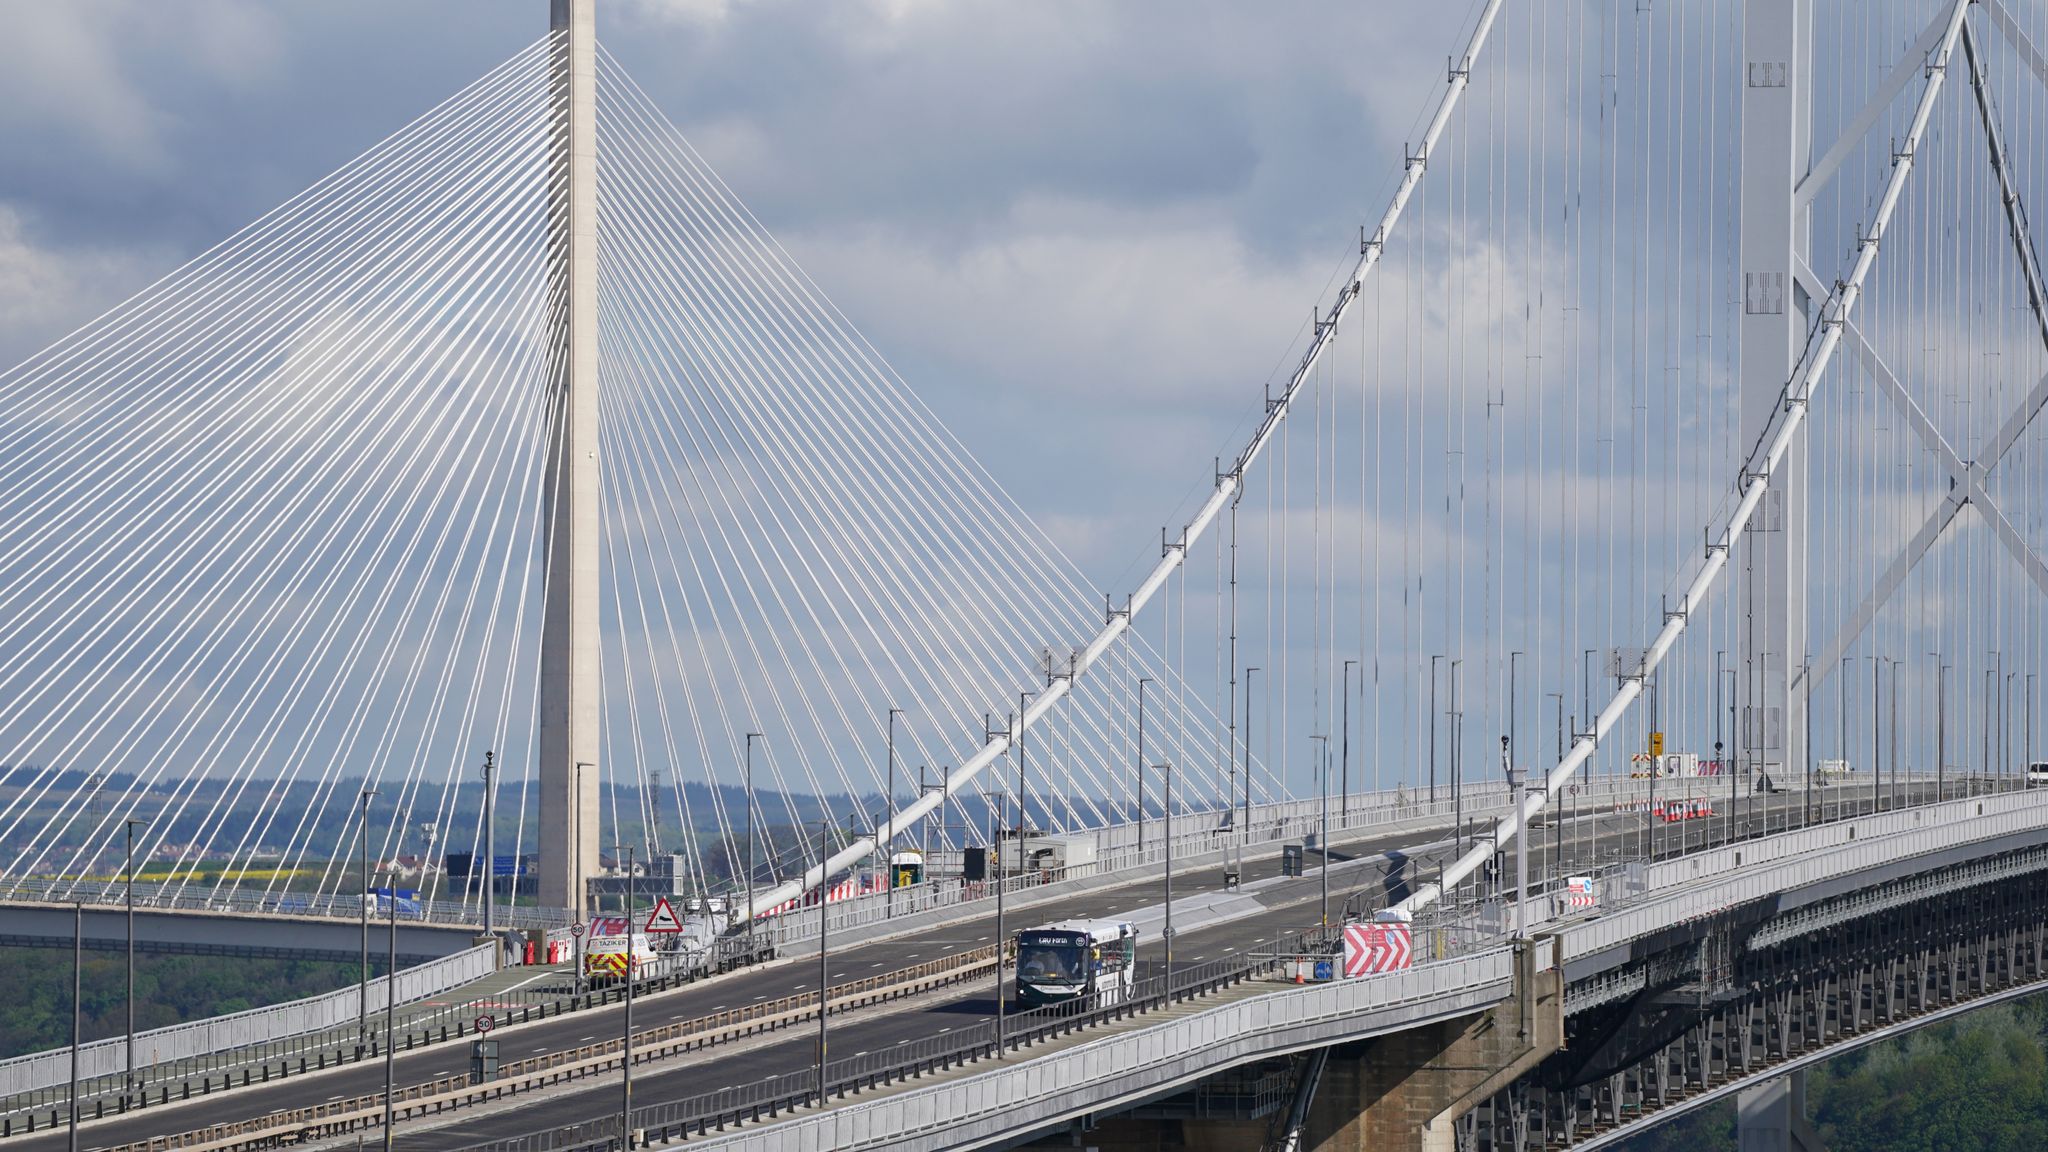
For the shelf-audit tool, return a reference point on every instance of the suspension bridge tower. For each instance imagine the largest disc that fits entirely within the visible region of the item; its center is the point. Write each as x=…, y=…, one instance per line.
x=569, y=632
x=1776, y=157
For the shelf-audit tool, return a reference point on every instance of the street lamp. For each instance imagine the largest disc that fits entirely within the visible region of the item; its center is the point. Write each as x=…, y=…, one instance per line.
x=1142, y=681
x=390, y=1005
x=1023, y=812
x=889, y=808
x=490, y=849
x=1245, y=834
x=1433, y=659
x=363, y=981
x=625, y=852
x=1940, y=727
x=824, y=974
x=1455, y=728
x=1323, y=816
x=1166, y=932
x=129, y=876
x=752, y=913
x=1344, y=764
x=77, y=970
x=995, y=834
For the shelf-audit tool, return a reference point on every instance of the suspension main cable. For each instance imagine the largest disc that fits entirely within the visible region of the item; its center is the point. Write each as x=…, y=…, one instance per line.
x=1758, y=468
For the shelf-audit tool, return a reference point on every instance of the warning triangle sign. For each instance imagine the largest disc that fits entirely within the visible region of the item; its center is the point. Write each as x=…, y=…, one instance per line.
x=663, y=918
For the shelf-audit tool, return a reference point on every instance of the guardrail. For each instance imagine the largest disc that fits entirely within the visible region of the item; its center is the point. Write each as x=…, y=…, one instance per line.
x=768, y=1098
x=1198, y=837
x=181, y=1050
x=176, y=897
x=1094, y=1063
x=447, y=1092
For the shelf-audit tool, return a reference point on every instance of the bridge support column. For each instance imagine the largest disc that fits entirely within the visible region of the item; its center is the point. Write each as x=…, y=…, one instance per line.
x=1773, y=1118
x=1408, y=1090
x=569, y=622
x=1776, y=153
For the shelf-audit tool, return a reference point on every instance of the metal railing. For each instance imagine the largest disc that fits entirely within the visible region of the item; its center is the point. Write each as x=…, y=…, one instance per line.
x=1197, y=836
x=775, y=1095
x=344, y=906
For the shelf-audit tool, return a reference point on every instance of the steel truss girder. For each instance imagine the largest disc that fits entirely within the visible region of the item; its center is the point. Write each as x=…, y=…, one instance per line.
x=1804, y=1000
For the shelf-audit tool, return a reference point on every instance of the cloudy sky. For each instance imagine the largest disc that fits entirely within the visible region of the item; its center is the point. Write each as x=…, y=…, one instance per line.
x=1093, y=227
x=1087, y=233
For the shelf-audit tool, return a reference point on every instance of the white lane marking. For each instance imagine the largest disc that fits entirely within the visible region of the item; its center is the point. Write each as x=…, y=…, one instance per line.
x=593, y=1037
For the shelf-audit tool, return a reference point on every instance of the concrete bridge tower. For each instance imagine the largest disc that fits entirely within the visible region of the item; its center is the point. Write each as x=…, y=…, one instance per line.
x=1771, y=598
x=569, y=712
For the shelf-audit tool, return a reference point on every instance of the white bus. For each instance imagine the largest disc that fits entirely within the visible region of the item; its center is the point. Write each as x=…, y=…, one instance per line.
x=1075, y=958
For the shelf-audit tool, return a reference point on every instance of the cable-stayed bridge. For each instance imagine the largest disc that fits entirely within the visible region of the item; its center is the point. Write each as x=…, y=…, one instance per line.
x=1627, y=589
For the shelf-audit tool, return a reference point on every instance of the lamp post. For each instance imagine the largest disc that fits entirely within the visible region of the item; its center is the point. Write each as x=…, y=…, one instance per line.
x=753, y=914
x=1166, y=932
x=490, y=849
x=390, y=1005
x=128, y=1089
x=1557, y=825
x=625, y=852
x=1454, y=728
x=1433, y=659
x=1142, y=681
x=1245, y=834
x=889, y=808
x=1023, y=791
x=77, y=966
x=824, y=975
x=1586, y=686
x=995, y=833
x=1514, y=679
x=1323, y=820
x=1940, y=728
x=1344, y=764
x=363, y=981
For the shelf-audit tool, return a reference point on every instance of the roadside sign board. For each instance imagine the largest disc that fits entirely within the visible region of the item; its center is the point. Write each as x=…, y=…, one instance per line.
x=1579, y=892
x=663, y=918
x=1374, y=948
x=576, y=929
x=485, y=1024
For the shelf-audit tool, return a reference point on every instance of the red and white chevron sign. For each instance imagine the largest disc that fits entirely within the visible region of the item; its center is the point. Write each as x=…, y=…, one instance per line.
x=1370, y=948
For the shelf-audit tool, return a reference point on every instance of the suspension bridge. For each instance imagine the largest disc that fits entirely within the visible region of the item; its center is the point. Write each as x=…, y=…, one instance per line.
x=1623, y=604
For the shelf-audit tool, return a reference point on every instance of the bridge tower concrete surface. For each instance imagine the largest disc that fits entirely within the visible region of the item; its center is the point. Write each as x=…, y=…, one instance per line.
x=1772, y=1118
x=569, y=706
x=1776, y=147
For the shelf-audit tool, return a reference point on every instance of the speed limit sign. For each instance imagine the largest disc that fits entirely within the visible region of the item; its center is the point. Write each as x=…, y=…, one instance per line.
x=485, y=1024
x=576, y=930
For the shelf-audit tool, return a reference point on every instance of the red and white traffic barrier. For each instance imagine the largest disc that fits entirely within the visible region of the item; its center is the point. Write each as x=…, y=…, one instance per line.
x=1374, y=948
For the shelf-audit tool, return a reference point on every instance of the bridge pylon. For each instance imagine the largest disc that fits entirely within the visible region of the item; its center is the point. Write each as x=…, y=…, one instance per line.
x=1777, y=148
x=569, y=705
